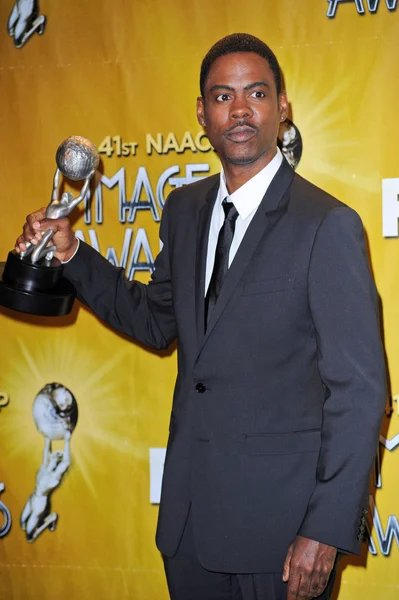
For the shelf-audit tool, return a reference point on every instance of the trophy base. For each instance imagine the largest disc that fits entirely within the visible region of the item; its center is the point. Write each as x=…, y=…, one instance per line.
x=37, y=289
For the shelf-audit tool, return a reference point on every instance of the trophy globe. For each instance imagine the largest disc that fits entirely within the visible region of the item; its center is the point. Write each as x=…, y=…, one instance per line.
x=55, y=411
x=77, y=158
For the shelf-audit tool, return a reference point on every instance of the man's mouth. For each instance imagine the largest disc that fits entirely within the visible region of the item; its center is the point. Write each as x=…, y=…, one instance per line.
x=241, y=133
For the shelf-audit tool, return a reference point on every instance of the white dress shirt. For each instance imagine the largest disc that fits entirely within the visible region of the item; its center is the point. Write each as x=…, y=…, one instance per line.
x=246, y=200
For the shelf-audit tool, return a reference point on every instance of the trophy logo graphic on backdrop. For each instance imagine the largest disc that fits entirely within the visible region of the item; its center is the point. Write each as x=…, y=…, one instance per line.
x=55, y=413
x=24, y=21
x=5, y=526
x=290, y=142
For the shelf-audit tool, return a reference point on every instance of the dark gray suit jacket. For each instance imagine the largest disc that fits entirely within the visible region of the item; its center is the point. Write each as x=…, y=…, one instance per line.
x=277, y=408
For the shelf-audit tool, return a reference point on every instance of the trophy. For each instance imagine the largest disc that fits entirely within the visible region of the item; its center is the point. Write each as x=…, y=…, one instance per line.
x=31, y=281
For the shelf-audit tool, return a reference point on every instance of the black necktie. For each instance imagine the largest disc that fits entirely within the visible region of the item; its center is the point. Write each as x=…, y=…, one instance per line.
x=221, y=264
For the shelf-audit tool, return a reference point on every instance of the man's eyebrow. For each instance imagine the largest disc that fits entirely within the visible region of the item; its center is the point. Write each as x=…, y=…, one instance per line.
x=216, y=87
x=228, y=88
x=250, y=86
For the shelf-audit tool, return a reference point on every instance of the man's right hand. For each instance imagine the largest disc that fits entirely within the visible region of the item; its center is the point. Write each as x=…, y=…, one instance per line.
x=63, y=238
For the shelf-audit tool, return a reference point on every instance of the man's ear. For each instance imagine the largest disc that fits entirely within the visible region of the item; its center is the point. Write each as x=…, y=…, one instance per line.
x=284, y=106
x=201, y=111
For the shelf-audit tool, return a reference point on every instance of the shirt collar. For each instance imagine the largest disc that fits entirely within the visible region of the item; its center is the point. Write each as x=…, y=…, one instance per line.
x=248, y=197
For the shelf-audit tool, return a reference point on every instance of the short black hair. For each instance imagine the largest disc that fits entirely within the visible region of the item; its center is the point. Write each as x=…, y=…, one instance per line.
x=240, y=42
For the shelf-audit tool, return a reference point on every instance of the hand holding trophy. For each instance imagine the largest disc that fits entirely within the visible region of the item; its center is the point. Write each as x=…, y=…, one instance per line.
x=31, y=281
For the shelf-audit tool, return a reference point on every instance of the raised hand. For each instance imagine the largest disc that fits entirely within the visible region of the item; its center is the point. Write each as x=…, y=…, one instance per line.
x=36, y=223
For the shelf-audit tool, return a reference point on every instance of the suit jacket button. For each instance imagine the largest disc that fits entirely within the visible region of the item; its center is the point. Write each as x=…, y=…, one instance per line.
x=200, y=388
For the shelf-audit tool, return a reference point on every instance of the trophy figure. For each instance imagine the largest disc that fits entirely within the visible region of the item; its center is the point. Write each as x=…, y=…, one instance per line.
x=32, y=281
x=55, y=413
x=24, y=20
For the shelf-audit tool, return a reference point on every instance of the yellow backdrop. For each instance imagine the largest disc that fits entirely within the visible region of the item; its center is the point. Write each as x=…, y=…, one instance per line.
x=125, y=74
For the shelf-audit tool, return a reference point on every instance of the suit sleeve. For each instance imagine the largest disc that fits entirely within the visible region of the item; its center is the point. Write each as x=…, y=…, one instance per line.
x=144, y=312
x=344, y=306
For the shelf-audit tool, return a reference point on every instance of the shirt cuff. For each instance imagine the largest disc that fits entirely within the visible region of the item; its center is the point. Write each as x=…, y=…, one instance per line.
x=64, y=262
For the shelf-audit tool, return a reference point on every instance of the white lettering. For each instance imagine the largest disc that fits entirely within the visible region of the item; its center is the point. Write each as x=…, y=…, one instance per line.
x=390, y=207
x=141, y=244
x=384, y=538
x=333, y=5
x=157, y=461
x=373, y=5
x=6, y=525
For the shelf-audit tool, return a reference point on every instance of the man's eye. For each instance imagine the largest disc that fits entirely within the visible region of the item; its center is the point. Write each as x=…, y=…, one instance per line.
x=258, y=94
x=222, y=97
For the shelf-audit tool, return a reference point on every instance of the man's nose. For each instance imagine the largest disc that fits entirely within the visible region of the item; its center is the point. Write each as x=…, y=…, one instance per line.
x=240, y=109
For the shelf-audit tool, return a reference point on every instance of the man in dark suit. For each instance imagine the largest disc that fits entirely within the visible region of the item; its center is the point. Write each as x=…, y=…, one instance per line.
x=264, y=281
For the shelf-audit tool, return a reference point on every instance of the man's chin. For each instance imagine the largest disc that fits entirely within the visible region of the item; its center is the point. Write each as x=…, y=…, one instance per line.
x=241, y=159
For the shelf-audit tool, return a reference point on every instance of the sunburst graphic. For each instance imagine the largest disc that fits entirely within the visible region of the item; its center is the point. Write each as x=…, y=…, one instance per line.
x=104, y=425
x=327, y=140
x=334, y=119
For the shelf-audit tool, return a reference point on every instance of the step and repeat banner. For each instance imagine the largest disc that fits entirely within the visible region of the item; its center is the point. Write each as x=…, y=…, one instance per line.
x=83, y=410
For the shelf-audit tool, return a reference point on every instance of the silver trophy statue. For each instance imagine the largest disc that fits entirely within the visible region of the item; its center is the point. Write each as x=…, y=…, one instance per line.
x=32, y=281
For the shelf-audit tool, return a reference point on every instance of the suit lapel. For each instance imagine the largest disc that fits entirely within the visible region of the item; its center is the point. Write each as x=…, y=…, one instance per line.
x=204, y=222
x=273, y=202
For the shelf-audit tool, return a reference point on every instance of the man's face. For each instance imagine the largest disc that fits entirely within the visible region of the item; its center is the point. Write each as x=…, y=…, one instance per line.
x=241, y=111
